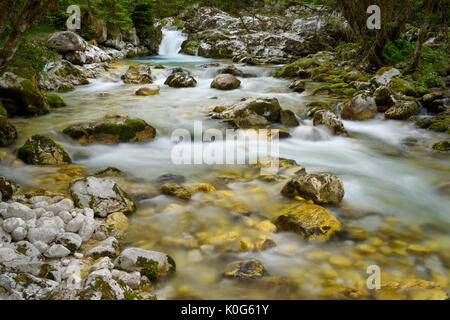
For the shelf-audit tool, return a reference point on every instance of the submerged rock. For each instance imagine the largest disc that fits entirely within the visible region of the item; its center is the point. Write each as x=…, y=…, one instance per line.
x=55, y=101
x=439, y=123
x=329, y=120
x=180, y=80
x=102, y=195
x=297, y=86
x=442, y=146
x=8, y=132
x=151, y=264
x=41, y=150
x=288, y=118
x=322, y=188
x=361, y=107
x=225, y=82
x=140, y=74
x=308, y=220
x=148, y=91
x=176, y=190
x=111, y=131
x=245, y=269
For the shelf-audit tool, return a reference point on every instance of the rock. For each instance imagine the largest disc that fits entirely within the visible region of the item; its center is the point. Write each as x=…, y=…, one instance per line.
x=66, y=41
x=231, y=70
x=361, y=107
x=100, y=285
x=106, y=248
x=45, y=235
x=10, y=224
x=439, y=123
x=308, y=220
x=7, y=254
x=55, y=101
x=384, y=98
x=148, y=91
x=102, y=195
x=63, y=205
x=19, y=210
x=75, y=224
x=19, y=234
x=297, y=86
x=180, y=80
x=252, y=112
x=202, y=187
x=151, y=264
x=27, y=249
x=402, y=110
x=329, y=120
x=76, y=57
x=288, y=118
x=402, y=87
x=168, y=177
x=57, y=251
x=63, y=76
x=442, y=146
x=340, y=292
x=88, y=228
x=322, y=188
x=104, y=263
x=118, y=220
x=4, y=237
x=71, y=241
x=41, y=150
x=176, y=190
x=8, y=132
x=225, y=82
x=133, y=280
x=20, y=91
x=245, y=269
x=111, y=131
x=7, y=188
x=385, y=75
x=140, y=74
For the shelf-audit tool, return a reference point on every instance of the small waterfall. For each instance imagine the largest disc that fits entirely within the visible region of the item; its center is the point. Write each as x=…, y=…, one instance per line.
x=171, y=42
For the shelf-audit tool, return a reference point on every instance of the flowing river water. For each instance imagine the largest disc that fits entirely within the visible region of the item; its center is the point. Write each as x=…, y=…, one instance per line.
x=390, y=176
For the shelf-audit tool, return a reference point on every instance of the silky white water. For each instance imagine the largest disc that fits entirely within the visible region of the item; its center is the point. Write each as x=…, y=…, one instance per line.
x=380, y=171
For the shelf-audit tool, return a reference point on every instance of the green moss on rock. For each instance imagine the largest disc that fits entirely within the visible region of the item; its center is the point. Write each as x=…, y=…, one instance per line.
x=55, y=101
x=41, y=150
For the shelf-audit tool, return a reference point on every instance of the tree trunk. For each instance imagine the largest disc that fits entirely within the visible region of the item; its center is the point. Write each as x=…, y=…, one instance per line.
x=33, y=10
x=423, y=31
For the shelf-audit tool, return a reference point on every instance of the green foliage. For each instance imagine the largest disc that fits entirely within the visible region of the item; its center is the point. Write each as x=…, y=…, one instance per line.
x=398, y=51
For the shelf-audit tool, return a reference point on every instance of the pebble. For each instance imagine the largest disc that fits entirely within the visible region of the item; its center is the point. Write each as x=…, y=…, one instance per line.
x=19, y=234
x=7, y=254
x=10, y=224
x=57, y=251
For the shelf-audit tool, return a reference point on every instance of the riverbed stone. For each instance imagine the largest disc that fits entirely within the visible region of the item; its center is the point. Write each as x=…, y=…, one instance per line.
x=8, y=132
x=361, y=107
x=19, y=234
x=102, y=195
x=7, y=189
x=71, y=241
x=57, y=251
x=244, y=269
x=322, y=188
x=180, y=80
x=7, y=254
x=55, y=101
x=148, y=90
x=288, y=118
x=176, y=190
x=19, y=210
x=45, y=235
x=297, y=86
x=106, y=248
x=438, y=123
x=140, y=74
x=10, y=224
x=151, y=264
x=308, y=220
x=225, y=82
x=111, y=131
x=41, y=150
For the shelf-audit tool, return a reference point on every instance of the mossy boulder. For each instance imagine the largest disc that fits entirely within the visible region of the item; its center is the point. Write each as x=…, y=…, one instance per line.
x=140, y=74
x=251, y=113
x=19, y=87
x=442, y=146
x=8, y=132
x=322, y=188
x=385, y=74
x=403, y=87
x=180, y=80
x=311, y=221
x=402, y=110
x=190, y=47
x=300, y=68
x=102, y=195
x=55, y=101
x=41, y=150
x=288, y=118
x=152, y=264
x=245, y=269
x=439, y=123
x=111, y=130
x=98, y=286
x=297, y=86
x=316, y=106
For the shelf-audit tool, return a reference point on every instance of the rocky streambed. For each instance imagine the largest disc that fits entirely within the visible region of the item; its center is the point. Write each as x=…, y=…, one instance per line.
x=102, y=211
